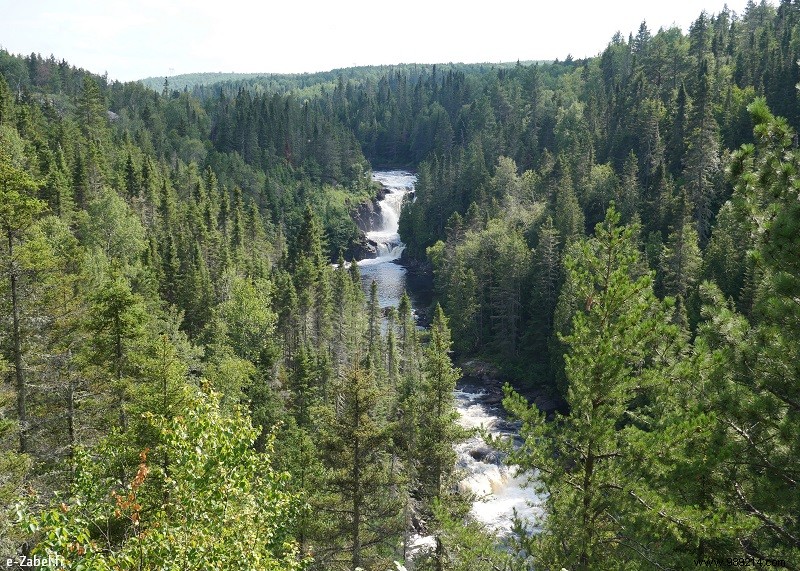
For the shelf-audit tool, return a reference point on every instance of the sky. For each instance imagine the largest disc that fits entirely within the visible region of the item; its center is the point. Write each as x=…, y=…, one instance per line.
x=134, y=39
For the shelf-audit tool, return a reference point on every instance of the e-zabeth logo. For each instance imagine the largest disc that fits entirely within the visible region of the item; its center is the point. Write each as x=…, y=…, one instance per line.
x=35, y=562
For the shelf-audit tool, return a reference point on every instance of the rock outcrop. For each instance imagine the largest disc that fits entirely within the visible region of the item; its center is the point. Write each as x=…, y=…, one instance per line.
x=367, y=215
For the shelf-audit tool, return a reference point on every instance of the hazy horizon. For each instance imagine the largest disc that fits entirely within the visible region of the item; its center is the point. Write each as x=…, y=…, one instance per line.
x=155, y=39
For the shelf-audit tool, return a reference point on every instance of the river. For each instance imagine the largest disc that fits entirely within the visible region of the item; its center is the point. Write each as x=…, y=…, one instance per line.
x=499, y=492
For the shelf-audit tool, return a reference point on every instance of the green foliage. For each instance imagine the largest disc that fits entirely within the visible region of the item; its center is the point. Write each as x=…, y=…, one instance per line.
x=247, y=321
x=116, y=322
x=619, y=353
x=110, y=227
x=13, y=470
x=191, y=238
x=680, y=261
x=20, y=252
x=759, y=392
x=357, y=494
x=223, y=504
x=437, y=413
x=18, y=206
x=464, y=546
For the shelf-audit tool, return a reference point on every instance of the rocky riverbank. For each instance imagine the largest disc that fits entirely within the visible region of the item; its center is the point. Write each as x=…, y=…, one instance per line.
x=367, y=215
x=486, y=377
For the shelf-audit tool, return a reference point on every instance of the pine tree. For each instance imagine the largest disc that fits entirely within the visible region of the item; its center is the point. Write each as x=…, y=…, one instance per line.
x=359, y=492
x=760, y=372
x=18, y=211
x=616, y=351
x=117, y=318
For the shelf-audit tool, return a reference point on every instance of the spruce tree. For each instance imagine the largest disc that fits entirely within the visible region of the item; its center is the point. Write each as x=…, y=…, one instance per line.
x=19, y=209
x=681, y=260
x=437, y=414
x=116, y=321
x=358, y=493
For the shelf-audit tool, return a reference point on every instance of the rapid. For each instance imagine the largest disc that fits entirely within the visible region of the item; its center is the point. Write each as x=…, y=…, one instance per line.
x=499, y=492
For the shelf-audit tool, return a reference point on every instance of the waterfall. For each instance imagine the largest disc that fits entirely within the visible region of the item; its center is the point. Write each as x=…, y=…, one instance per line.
x=386, y=237
x=499, y=492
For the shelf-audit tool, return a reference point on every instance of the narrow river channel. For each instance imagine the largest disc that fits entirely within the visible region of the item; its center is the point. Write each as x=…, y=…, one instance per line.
x=499, y=493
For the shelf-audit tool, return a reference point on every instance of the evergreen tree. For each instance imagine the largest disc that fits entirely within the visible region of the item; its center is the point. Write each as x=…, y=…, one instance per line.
x=629, y=188
x=131, y=178
x=567, y=215
x=359, y=492
x=725, y=260
x=117, y=318
x=374, y=337
x=436, y=455
x=546, y=280
x=702, y=161
x=312, y=283
x=761, y=370
x=680, y=261
x=56, y=190
x=619, y=345
x=18, y=211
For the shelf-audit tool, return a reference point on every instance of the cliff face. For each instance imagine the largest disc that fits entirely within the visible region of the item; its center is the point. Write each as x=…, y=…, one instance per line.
x=361, y=250
x=367, y=215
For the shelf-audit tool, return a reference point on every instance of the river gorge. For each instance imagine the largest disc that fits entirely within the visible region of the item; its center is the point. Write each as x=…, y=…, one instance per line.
x=498, y=491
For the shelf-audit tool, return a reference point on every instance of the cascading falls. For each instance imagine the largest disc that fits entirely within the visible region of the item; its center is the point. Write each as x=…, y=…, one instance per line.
x=500, y=494
x=386, y=237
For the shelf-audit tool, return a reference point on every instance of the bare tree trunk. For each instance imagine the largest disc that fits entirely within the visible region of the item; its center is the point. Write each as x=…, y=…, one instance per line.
x=356, y=507
x=70, y=407
x=19, y=372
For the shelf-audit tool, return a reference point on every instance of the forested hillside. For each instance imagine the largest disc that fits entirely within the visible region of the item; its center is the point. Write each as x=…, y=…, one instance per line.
x=204, y=85
x=189, y=382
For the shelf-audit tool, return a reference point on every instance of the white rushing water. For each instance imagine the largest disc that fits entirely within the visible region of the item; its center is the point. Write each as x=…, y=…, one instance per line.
x=498, y=491
x=386, y=237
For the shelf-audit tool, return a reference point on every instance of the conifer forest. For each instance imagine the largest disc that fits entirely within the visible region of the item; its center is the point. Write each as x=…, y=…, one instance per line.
x=202, y=366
